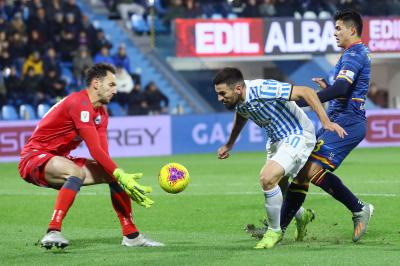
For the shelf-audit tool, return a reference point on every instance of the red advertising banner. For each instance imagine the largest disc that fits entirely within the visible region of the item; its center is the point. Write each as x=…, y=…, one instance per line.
x=293, y=36
x=251, y=37
x=382, y=34
x=201, y=37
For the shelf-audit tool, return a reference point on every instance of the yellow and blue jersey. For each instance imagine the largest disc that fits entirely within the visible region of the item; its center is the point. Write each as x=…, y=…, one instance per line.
x=354, y=66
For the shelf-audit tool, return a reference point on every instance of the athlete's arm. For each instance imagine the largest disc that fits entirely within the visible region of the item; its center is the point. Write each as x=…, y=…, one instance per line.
x=238, y=124
x=97, y=144
x=311, y=98
x=339, y=89
x=103, y=140
x=92, y=140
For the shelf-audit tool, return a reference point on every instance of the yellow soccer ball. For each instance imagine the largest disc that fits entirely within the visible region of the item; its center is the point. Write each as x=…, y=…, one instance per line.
x=173, y=178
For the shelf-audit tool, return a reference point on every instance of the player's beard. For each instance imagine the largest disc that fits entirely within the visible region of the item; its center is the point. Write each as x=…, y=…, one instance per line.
x=103, y=98
x=232, y=105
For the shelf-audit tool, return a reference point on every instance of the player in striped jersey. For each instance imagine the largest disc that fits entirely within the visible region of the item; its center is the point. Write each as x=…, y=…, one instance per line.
x=291, y=136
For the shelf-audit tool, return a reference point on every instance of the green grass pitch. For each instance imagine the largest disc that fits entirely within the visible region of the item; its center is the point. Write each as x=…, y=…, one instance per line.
x=204, y=224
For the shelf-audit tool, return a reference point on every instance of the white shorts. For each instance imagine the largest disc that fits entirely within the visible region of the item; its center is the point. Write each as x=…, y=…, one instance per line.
x=292, y=152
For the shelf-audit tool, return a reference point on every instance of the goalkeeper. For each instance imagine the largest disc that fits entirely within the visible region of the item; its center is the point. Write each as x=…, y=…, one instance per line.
x=46, y=161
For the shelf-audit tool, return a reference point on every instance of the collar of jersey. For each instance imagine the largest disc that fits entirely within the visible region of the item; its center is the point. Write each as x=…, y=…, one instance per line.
x=246, y=82
x=86, y=92
x=353, y=44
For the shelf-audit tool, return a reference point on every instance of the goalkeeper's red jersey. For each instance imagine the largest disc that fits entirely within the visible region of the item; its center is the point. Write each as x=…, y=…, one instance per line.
x=67, y=123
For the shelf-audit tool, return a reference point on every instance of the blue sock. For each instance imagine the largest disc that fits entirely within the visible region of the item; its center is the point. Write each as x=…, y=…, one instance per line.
x=295, y=196
x=334, y=186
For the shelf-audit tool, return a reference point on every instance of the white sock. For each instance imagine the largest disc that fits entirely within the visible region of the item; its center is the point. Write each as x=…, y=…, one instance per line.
x=299, y=213
x=273, y=204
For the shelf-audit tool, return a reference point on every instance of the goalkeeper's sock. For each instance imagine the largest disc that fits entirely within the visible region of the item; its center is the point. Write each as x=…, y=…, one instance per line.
x=295, y=196
x=273, y=203
x=64, y=201
x=122, y=206
x=334, y=186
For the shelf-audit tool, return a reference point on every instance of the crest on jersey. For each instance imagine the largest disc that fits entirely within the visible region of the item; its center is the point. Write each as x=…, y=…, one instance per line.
x=97, y=120
x=85, y=116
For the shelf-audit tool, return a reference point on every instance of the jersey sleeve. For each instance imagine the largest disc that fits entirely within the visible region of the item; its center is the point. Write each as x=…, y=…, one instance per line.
x=352, y=63
x=275, y=90
x=92, y=140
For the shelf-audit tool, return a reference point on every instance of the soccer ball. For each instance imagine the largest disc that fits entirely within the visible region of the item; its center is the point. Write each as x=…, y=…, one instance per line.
x=173, y=178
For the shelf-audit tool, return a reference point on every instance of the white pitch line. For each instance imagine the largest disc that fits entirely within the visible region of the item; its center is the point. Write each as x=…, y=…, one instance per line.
x=101, y=193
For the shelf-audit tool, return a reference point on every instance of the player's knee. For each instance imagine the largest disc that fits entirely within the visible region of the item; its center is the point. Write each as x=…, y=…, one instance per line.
x=268, y=182
x=74, y=171
x=78, y=172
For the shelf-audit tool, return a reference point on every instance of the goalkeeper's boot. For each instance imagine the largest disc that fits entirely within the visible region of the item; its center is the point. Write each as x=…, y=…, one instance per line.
x=54, y=239
x=140, y=241
x=301, y=223
x=360, y=220
x=270, y=239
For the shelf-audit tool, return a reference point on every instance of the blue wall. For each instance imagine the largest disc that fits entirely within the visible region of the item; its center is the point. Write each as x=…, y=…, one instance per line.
x=206, y=133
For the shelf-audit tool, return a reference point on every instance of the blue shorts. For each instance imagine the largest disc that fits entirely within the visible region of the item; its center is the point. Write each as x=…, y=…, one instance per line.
x=331, y=150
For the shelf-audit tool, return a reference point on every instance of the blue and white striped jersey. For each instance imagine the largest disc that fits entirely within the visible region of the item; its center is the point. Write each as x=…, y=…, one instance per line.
x=267, y=104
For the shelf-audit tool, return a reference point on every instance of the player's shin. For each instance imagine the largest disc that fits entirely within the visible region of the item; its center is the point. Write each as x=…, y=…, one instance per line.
x=334, y=186
x=273, y=203
x=295, y=196
x=122, y=206
x=65, y=198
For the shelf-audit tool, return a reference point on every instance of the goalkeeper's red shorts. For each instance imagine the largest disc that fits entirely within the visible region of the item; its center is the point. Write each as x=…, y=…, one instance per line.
x=32, y=164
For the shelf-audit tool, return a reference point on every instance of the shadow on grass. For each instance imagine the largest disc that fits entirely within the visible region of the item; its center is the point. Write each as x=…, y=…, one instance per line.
x=97, y=244
x=95, y=241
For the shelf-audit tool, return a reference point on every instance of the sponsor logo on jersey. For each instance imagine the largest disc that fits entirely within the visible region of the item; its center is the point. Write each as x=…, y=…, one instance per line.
x=42, y=155
x=97, y=120
x=85, y=116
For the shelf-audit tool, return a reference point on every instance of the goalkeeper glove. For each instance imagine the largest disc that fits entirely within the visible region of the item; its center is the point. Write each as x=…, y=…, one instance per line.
x=135, y=191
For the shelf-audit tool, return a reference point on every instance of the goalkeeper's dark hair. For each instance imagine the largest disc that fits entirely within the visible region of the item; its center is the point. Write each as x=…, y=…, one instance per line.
x=350, y=17
x=229, y=76
x=98, y=71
